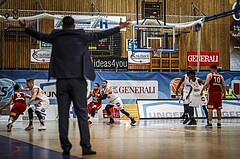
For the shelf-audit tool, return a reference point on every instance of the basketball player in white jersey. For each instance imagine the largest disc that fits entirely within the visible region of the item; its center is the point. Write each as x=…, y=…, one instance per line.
x=195, y=97
x=114, y=101
x=42, y=103
x=186, y=89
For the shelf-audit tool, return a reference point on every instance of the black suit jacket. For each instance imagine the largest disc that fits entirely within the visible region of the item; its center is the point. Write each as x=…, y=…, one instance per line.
x=70, y=56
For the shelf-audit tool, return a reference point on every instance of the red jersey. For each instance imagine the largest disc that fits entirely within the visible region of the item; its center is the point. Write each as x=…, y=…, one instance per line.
x=216, y=83
x=19, y=97
x=96, y=95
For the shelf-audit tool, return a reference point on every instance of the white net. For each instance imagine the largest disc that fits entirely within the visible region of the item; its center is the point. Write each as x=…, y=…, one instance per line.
x=179, y=21
x=12, y=16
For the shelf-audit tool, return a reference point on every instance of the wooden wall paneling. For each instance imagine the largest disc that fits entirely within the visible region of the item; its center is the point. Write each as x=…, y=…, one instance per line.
x=215, y=34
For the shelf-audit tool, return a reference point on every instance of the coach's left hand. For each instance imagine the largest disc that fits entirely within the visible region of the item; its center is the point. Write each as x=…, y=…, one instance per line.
x=123, y=24
x=22, y=23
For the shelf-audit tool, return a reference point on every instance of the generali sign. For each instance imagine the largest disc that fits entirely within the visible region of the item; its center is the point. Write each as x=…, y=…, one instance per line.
x=206, y=58
x=135, y=89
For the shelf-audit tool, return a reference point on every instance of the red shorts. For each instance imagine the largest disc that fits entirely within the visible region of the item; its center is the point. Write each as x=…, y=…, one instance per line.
x=96, y=106
x=17, y=109
x=215, y=100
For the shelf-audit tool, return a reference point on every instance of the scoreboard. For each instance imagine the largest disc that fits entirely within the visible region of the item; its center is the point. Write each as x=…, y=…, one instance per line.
x=111, y=46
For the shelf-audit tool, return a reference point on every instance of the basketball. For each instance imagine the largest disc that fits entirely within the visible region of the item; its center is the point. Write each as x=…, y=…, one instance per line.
x=173, y=86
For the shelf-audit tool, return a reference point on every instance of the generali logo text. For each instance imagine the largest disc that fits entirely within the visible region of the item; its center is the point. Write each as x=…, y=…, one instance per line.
x=135, y=89
x=206, y=58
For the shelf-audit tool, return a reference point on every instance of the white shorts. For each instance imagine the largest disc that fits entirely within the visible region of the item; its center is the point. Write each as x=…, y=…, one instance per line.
x=117, y=103
x=197, y=100
x=185, y=101
x=40, y=106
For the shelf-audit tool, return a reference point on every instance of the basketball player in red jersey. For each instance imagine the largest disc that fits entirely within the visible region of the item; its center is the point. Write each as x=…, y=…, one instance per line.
x=215, y=82
x=19, y=106
x=96, y=102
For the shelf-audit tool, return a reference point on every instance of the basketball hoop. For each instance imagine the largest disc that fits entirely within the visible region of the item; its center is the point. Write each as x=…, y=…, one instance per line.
x=157, y=51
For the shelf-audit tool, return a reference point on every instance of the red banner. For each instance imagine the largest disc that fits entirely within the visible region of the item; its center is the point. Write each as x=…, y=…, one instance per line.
x=206, y=58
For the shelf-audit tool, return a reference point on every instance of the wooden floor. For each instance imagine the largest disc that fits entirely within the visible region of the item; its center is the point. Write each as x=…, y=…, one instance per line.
x=149, y=139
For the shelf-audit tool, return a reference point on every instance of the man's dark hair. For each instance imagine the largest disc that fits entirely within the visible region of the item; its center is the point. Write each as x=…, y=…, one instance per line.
x=213, y=66
x=105, y=81
x=189, y=68
x=97, y=84
x=67, y=22
x=16, y=87
x=191, y=72
x=30, y=80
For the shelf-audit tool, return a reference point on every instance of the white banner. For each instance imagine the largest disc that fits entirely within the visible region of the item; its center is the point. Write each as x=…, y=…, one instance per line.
x=40, y=56
x=137, y=89
x=173, y=109
x=50, y=88
x=92, y=22
x=138, y=58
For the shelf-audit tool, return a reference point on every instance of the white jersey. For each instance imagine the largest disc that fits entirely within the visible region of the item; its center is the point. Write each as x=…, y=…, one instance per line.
x=196, y=87
x=195, y=97
x=41, y=96
x=111, y=97
x=186, y=84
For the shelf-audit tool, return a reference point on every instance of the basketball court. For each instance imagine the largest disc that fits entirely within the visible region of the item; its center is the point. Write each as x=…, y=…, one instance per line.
x=165, y=138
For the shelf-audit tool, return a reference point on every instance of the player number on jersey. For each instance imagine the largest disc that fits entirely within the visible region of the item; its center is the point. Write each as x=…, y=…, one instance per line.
x=217, y=80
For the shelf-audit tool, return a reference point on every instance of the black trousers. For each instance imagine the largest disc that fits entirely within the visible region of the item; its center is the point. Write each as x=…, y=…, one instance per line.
x=74, y=90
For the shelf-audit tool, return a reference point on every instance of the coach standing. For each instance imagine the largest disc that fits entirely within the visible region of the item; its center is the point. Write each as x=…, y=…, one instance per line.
x=70, y=63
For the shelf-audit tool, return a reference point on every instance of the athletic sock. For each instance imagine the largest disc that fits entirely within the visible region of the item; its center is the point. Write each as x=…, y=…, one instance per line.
x=30, y=122
x=219, y=121
x=210, y=122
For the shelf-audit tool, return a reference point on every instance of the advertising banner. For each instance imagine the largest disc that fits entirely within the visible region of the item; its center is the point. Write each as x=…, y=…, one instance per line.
x=130, y=86
x=135, y=89
x=92, y=22
x=206, y=58
x=40, y=56
x=110, y=64
x=174, y=109
x=131, y=109
x=234, y=39
x=138, y=58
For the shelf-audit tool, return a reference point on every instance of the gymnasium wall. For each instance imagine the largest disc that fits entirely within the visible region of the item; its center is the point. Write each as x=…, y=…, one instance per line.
x=215, y=34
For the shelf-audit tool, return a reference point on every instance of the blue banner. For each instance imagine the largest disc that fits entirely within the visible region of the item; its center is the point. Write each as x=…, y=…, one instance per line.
x=130, y=86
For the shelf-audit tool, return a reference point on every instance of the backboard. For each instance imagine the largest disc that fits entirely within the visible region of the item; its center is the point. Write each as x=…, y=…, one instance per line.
x=151, y=37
